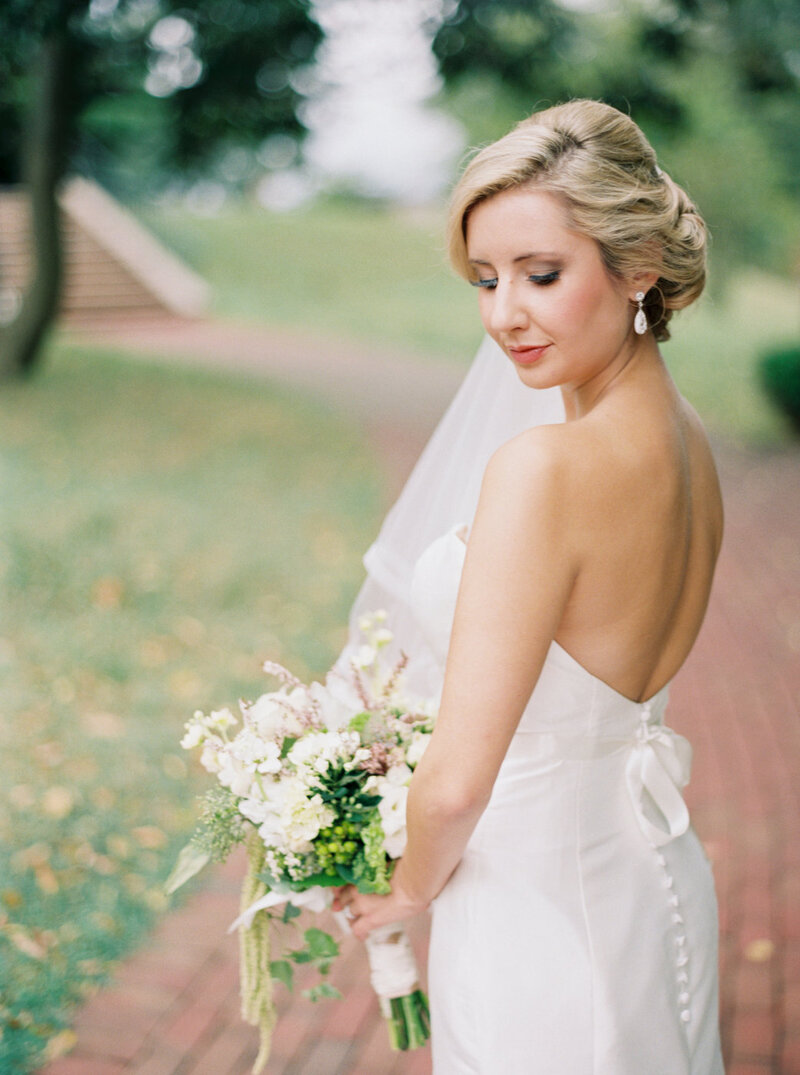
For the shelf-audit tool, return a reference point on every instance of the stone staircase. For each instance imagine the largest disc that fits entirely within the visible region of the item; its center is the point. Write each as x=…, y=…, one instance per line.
x=112, y=265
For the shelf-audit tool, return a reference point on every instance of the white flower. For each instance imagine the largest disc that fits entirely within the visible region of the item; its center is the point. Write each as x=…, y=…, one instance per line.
x=220, y=719
x=417, y=747
x=255, y=810
x=234, y=774
x=303, y=816
x=335, y=702
x=274, y=714
x=393, y=790
x=364, y=656
x=201, y=727
x=364, y=624
x=195, y=734
x=383, y=637
x=317, y=751
x=255, y=753
x=211, y=757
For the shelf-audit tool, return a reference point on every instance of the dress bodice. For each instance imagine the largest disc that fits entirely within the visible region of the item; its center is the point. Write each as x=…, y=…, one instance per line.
x=575, y=715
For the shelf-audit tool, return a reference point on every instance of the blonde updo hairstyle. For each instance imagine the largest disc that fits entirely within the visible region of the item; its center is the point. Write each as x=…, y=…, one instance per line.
x=603, y=168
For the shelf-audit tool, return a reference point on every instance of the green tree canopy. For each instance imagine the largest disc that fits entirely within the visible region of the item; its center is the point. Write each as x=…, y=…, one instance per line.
x=714, y=85
x=172, y=85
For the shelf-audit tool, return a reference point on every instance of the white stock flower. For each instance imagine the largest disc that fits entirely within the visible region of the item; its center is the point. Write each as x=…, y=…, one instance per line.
x=417, y=747
x=317, y=751
x=335, y=701
x=211, y=756
x=234, y=774
x=220, y=719
x=254, y=809
x=278, y=713
x=195, y=734
x=200, y=727
x=393, y=790
x=255, y=753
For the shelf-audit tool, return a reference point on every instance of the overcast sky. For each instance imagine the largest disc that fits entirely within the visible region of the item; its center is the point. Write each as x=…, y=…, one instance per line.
x=369, y=123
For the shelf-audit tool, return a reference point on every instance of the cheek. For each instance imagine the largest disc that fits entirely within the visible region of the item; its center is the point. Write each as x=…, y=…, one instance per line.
x=580, y=305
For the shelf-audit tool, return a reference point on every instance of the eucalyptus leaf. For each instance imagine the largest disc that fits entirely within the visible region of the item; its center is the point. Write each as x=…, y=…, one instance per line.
x=323, y=991
x=283, y=971
x=290, y=912
x=191, y=861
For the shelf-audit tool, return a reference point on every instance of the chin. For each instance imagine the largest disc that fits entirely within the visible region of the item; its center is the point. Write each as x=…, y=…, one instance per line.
x=536, y=377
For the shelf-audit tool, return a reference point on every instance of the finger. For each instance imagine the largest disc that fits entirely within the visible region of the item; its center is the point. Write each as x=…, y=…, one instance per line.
x=361, y=929
x=342, y=896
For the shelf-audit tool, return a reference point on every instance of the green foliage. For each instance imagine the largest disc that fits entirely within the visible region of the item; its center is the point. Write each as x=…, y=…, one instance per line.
x=518, y=42
x=725, y=160
x=713, y=85
x=376, y=870
x=282, y=971
x=713, y=354
x=238, y=89
x=780, y=377
x=318, y=951
x=322, y=991
x=164, y=531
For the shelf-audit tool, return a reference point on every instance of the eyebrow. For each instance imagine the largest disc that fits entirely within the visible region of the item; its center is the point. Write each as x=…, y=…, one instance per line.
x=540, y=255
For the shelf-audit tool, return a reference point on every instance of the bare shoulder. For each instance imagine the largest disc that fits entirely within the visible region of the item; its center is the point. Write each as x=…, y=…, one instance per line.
x=539, y=457
x=532, y=491
x=553, y=462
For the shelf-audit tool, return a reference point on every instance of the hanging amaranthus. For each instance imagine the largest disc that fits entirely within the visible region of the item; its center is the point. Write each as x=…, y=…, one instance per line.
x=258, y=1008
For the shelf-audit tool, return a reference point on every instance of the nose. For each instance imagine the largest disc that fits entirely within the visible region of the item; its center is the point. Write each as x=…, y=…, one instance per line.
x=504, y=310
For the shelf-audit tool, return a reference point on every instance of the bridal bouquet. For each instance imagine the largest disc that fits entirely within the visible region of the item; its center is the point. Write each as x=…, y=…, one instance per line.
x=314, y=780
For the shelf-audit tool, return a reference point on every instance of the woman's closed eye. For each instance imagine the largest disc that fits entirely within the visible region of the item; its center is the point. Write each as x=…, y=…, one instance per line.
x=541, y=279
x=545, y=278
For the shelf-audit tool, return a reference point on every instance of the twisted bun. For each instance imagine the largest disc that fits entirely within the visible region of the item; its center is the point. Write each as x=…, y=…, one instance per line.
x=602, y=166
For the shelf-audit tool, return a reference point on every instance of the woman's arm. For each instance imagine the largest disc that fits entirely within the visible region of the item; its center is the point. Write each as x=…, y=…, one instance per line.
x=518, y=575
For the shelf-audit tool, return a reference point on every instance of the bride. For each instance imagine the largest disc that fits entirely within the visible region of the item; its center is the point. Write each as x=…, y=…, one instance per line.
x=574, y=920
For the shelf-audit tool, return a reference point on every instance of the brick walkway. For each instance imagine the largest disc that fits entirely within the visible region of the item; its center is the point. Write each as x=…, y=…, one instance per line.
x=172, y=1009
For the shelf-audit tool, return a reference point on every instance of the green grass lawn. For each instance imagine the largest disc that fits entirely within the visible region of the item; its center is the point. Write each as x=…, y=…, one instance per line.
x=163, y=531
x=380, y=275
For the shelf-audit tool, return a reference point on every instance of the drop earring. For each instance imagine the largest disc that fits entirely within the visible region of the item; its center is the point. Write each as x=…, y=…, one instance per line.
x=640, y=321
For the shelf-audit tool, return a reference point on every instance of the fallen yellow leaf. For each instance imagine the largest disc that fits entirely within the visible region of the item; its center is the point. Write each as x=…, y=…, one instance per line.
x=61, y=1044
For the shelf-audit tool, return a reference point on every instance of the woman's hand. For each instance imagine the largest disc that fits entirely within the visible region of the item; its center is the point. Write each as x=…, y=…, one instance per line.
x=366, y=912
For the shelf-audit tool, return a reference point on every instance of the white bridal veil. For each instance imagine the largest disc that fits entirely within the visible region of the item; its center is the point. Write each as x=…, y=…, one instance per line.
x=490, y=407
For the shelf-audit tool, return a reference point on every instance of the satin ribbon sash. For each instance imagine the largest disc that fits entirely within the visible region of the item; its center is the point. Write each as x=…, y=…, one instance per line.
x=657, y=769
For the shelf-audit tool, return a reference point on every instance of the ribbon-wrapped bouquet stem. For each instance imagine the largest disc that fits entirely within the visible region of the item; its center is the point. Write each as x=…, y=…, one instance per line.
x=314, y=781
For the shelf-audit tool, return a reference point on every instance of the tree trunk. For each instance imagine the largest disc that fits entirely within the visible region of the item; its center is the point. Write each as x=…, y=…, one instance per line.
x=43, y=166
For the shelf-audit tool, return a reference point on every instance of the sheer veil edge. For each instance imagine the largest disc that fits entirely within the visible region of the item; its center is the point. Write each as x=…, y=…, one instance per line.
x=490, y=407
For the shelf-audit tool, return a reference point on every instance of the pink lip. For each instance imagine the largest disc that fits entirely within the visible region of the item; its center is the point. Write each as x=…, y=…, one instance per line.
x=526, y=356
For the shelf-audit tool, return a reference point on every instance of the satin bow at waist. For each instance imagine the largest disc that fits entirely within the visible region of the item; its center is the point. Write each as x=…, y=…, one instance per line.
x=657, y=768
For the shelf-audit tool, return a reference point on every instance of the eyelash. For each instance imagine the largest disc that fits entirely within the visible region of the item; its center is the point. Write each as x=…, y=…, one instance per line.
x=542, y=280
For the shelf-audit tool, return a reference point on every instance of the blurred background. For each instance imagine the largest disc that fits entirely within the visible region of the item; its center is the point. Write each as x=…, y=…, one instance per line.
x=203, y=204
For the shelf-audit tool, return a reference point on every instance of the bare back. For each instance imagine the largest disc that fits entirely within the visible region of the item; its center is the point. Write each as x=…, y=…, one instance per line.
x=645, y=514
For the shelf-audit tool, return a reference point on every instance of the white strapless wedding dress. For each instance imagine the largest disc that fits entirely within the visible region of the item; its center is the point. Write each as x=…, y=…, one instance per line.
x=578, y=934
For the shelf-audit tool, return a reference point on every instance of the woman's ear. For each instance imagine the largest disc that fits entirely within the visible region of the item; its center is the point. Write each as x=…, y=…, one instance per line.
x=641, y=281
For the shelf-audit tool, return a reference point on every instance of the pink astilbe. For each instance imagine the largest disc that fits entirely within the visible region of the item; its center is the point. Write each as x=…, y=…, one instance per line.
x=361, y=690
x=379, y=760
x=272, y=668
x=390, y=685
